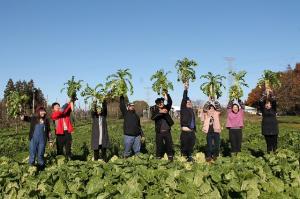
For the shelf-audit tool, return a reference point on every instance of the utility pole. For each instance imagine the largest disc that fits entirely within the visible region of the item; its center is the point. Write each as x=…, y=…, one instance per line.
x=148, y=100
x=230, y=62
x=33, y=99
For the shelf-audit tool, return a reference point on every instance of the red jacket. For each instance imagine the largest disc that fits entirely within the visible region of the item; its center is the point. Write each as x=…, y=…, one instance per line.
x=59, y=118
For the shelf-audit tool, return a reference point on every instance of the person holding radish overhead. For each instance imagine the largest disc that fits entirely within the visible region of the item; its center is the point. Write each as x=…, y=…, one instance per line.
x=132, y=128
x=61, y=117
x=212, y=128
x=235, y=111
x=163, y=124
x=211, y=114
x=235, y=124
x=268, y=108
x=161, y=116
x=188, y=125
x=100, y=138
x=38, y=135
x=63, y=127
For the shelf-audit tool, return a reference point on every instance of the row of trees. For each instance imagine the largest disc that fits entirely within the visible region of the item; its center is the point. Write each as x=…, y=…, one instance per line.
x=287, y=94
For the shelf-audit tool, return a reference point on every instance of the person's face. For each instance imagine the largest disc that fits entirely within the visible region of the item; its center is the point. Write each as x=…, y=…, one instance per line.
x=56, y=108
x=189, y=104
x=211, y=109
x=268, y=105
x=42, y=113
x=160, y=105
x=235, y=109
x=131, y=107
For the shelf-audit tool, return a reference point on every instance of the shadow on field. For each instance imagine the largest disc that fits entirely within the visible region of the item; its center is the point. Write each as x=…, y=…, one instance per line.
x=225, y=148
x=84, y=155
x=256, y=153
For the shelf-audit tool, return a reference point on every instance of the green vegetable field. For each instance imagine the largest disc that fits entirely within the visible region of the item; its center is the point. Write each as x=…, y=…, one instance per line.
x=251, y=174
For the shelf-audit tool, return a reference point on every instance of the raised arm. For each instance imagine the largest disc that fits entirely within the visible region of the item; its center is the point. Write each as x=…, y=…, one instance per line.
x=229, y=105
x=184, y=99
x=169, y=102
x=48, y=128
x=65, y=112
x=122, y=105
x=104, y=109
x=242, y=104
x=26, y=118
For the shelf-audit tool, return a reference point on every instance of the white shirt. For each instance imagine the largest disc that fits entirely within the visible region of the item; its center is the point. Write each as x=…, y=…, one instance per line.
x=100, y=129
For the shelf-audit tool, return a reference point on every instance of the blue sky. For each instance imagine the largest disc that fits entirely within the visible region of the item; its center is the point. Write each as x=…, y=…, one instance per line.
x=49, y=41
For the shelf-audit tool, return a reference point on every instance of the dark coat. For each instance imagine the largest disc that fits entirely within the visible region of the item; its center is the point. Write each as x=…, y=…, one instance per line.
x=95, y=128
x=186, y=114
x=269, y=123
x=34, y=120
x=158, y=117
x=132, y=124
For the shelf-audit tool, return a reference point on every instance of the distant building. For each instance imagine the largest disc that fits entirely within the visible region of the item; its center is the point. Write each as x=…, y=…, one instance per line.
x=251, y=110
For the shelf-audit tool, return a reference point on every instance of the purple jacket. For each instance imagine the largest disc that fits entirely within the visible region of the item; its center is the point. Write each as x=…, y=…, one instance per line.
x=235, y=120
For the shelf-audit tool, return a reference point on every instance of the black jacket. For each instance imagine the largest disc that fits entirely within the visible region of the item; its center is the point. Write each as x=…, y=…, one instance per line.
x=95, y=128
x=269, y=123
x=159, y=117
x=132, y=124
x=34, y=121
x=186, y=114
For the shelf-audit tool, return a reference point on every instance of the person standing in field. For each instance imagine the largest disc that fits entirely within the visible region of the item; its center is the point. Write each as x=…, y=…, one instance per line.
x=63, y=127
x=100, y=138
x=269, y=125
x=235, y=124
x=212, y=127
x=131, y=127
x=188, y=125
x=163, y=124
x=38, y=135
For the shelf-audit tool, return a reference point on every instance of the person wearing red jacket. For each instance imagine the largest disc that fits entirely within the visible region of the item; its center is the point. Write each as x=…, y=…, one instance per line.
x=63, y=127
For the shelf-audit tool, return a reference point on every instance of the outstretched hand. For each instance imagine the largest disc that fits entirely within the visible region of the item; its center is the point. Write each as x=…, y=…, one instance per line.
x=186, y=86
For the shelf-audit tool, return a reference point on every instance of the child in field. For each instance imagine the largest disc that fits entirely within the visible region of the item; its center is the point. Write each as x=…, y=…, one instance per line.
x=100, y=138
x=235, y=124
x=268, y=105
x=212, y=127
x=38, y=135
x=63, y=127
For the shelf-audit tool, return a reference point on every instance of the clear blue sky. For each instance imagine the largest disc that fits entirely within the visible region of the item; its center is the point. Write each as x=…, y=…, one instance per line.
x=51, y=40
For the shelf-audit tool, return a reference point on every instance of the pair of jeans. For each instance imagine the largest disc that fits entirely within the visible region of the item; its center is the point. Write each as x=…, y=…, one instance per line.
x=164, y=144
x=213, y=144
x=271, y=141
x=131, y=143
x=37, y=145
x=64, y=141
x=187, y=143
x=235, y=137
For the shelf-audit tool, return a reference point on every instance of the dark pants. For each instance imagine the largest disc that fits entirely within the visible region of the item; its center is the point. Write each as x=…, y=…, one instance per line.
x=271, y=141
x=64, y=141
x=187, y=140
x=213, y=144
x=164, y=144
x=97, y=153
x=235, y=137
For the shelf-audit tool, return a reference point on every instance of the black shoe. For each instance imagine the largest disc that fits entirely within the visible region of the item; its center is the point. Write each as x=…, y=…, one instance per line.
x=190, y=159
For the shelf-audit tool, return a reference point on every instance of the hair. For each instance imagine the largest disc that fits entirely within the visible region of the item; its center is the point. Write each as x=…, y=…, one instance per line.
x=54, y=104
x=40, y=108
x=211, y=106
x=159, y=100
